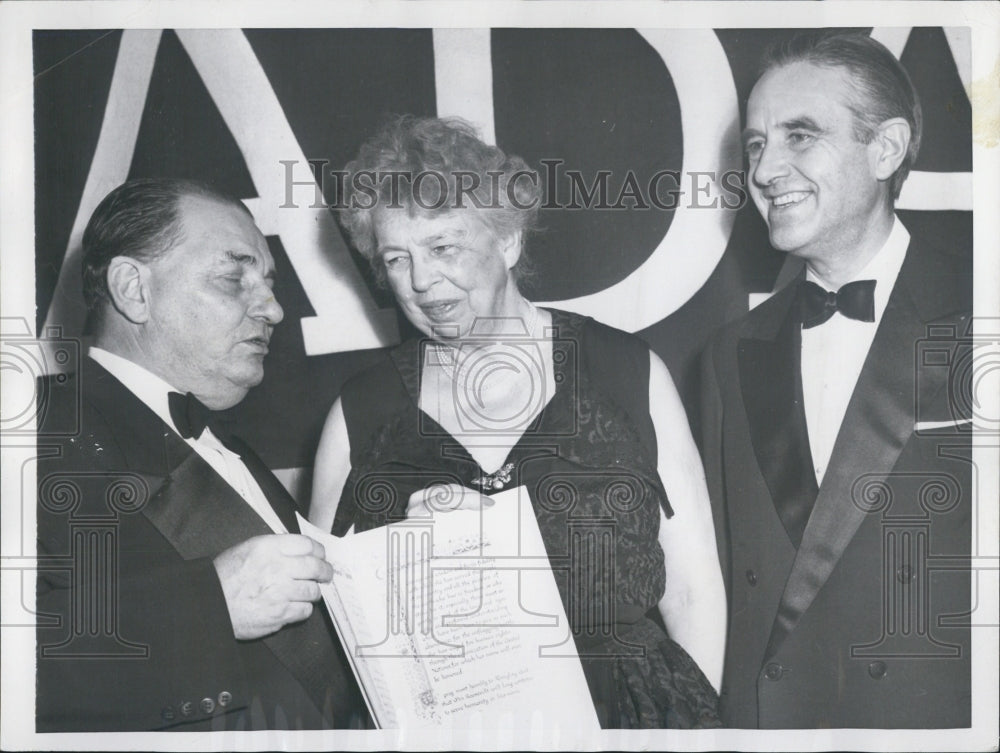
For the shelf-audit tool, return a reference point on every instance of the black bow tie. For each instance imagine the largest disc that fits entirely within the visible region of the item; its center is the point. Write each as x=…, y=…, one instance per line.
x=191, y=416
x=855, y=300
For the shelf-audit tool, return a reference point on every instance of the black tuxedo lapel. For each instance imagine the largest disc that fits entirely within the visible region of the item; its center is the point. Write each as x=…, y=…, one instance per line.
x=155, y=449
x=152, y=448
x=879, y=421
x=281, y=501
x=771, y=383
x=201, y=515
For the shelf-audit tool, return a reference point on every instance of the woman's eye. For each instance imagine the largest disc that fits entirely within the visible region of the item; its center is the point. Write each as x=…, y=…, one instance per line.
x=393, y=261
x=753, y=149
x=443, y=248
x=797, y=138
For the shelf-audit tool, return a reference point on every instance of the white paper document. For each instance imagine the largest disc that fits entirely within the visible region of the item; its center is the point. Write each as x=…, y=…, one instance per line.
x=455, y=620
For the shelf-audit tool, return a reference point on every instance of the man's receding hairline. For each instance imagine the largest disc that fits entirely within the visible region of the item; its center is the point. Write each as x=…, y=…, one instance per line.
x=193, y=195
x=179, y=231
x=850, y=97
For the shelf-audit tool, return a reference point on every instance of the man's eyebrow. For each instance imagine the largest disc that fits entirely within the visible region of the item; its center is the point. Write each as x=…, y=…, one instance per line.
x=803, y=123
x=248, y=260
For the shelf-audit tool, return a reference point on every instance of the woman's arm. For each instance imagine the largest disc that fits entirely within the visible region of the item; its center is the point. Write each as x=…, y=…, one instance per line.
x=330, y=471
x=694, y=603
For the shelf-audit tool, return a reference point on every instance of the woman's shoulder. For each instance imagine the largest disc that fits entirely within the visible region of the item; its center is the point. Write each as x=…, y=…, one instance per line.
x=376, y=391
x=369, y=378
x=594, y=336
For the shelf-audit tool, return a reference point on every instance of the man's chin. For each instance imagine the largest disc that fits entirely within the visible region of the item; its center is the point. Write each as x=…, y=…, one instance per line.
x=787, y=240
x=251, y=380
x=236, y=388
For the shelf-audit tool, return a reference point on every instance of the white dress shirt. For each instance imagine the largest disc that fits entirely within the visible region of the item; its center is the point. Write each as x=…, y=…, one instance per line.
x=833, y=353
x=153, y=391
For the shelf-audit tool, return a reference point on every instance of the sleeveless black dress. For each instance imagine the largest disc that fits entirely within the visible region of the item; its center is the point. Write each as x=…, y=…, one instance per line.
x=588, y=462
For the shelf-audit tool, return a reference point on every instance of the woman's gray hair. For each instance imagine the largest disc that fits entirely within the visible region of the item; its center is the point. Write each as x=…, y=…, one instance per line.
x=432, y=165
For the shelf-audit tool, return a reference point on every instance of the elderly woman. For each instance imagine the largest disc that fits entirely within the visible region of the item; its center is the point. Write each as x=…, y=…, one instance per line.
x=499, y=393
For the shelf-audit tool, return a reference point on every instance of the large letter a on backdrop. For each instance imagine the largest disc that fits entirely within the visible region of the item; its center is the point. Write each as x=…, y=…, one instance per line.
x=346, y=315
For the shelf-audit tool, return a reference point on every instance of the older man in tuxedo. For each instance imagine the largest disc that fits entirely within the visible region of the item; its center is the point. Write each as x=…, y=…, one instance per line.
x=836, y=452
x=175, y=590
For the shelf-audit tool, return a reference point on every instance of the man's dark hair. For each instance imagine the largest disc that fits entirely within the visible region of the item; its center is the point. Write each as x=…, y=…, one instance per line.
x=883, y=88
x=139, y=219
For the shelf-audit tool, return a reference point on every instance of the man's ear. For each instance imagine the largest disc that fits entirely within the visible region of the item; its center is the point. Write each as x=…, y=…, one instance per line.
x=891, y=142
x=510, y=246
x=128, y=288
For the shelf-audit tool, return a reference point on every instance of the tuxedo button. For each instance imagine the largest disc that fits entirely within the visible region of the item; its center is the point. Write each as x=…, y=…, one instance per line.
x=773, y=671
x=168, y=714
x=751, y=577
x=224, y=698
x=187, y=708
x=877, y=670
x=207, y=705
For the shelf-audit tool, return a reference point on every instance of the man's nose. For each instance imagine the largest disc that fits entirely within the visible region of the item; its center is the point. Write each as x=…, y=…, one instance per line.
x=266, y=307
x=771, y=164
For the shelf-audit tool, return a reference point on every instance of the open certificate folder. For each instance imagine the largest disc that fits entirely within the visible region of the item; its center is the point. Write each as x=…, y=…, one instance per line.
x=455, y=620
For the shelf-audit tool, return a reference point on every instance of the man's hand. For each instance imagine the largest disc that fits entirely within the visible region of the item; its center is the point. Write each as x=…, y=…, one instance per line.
x=444, y=498
x=271, y=581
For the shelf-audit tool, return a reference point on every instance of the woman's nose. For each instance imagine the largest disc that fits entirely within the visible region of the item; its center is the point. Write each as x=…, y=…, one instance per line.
x=423, y=274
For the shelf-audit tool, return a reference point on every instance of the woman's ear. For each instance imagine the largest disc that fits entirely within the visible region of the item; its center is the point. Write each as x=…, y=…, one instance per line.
x=128, y=289
x=892, y=140
x=510, y=247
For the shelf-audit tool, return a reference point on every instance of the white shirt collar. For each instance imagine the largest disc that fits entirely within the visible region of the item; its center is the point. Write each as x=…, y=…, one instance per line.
x=883, y=267
x=146, y=385
x=154, y=391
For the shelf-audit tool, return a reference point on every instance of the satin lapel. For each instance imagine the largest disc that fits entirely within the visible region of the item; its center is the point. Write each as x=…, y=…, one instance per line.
x=281, y=501
x=878, y=422
x=201, y=515
x=145, y=444
x=771, y=384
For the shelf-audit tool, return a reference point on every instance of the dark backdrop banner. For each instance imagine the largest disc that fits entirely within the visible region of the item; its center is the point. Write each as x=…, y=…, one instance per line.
x=634, y=132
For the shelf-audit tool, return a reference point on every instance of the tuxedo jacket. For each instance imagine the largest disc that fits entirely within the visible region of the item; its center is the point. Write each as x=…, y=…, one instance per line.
x=861, y=618
x=133, y=629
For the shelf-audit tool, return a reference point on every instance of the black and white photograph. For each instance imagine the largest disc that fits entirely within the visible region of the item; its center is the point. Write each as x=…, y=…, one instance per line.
x=510, y=375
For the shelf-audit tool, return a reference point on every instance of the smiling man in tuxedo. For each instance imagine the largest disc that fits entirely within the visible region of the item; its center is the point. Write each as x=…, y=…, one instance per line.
x=192, y=608
x=838, y=464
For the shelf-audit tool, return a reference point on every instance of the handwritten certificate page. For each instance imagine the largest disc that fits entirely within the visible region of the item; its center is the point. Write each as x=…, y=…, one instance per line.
x=455, y=620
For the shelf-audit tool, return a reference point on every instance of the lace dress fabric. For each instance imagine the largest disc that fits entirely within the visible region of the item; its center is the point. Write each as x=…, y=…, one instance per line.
x=596, y=494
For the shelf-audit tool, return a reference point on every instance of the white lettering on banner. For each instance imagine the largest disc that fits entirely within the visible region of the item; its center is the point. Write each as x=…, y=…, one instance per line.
x=697, y=237
x=927, y=191
x=347, y=317
x=108, y=169
x=463, y=77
